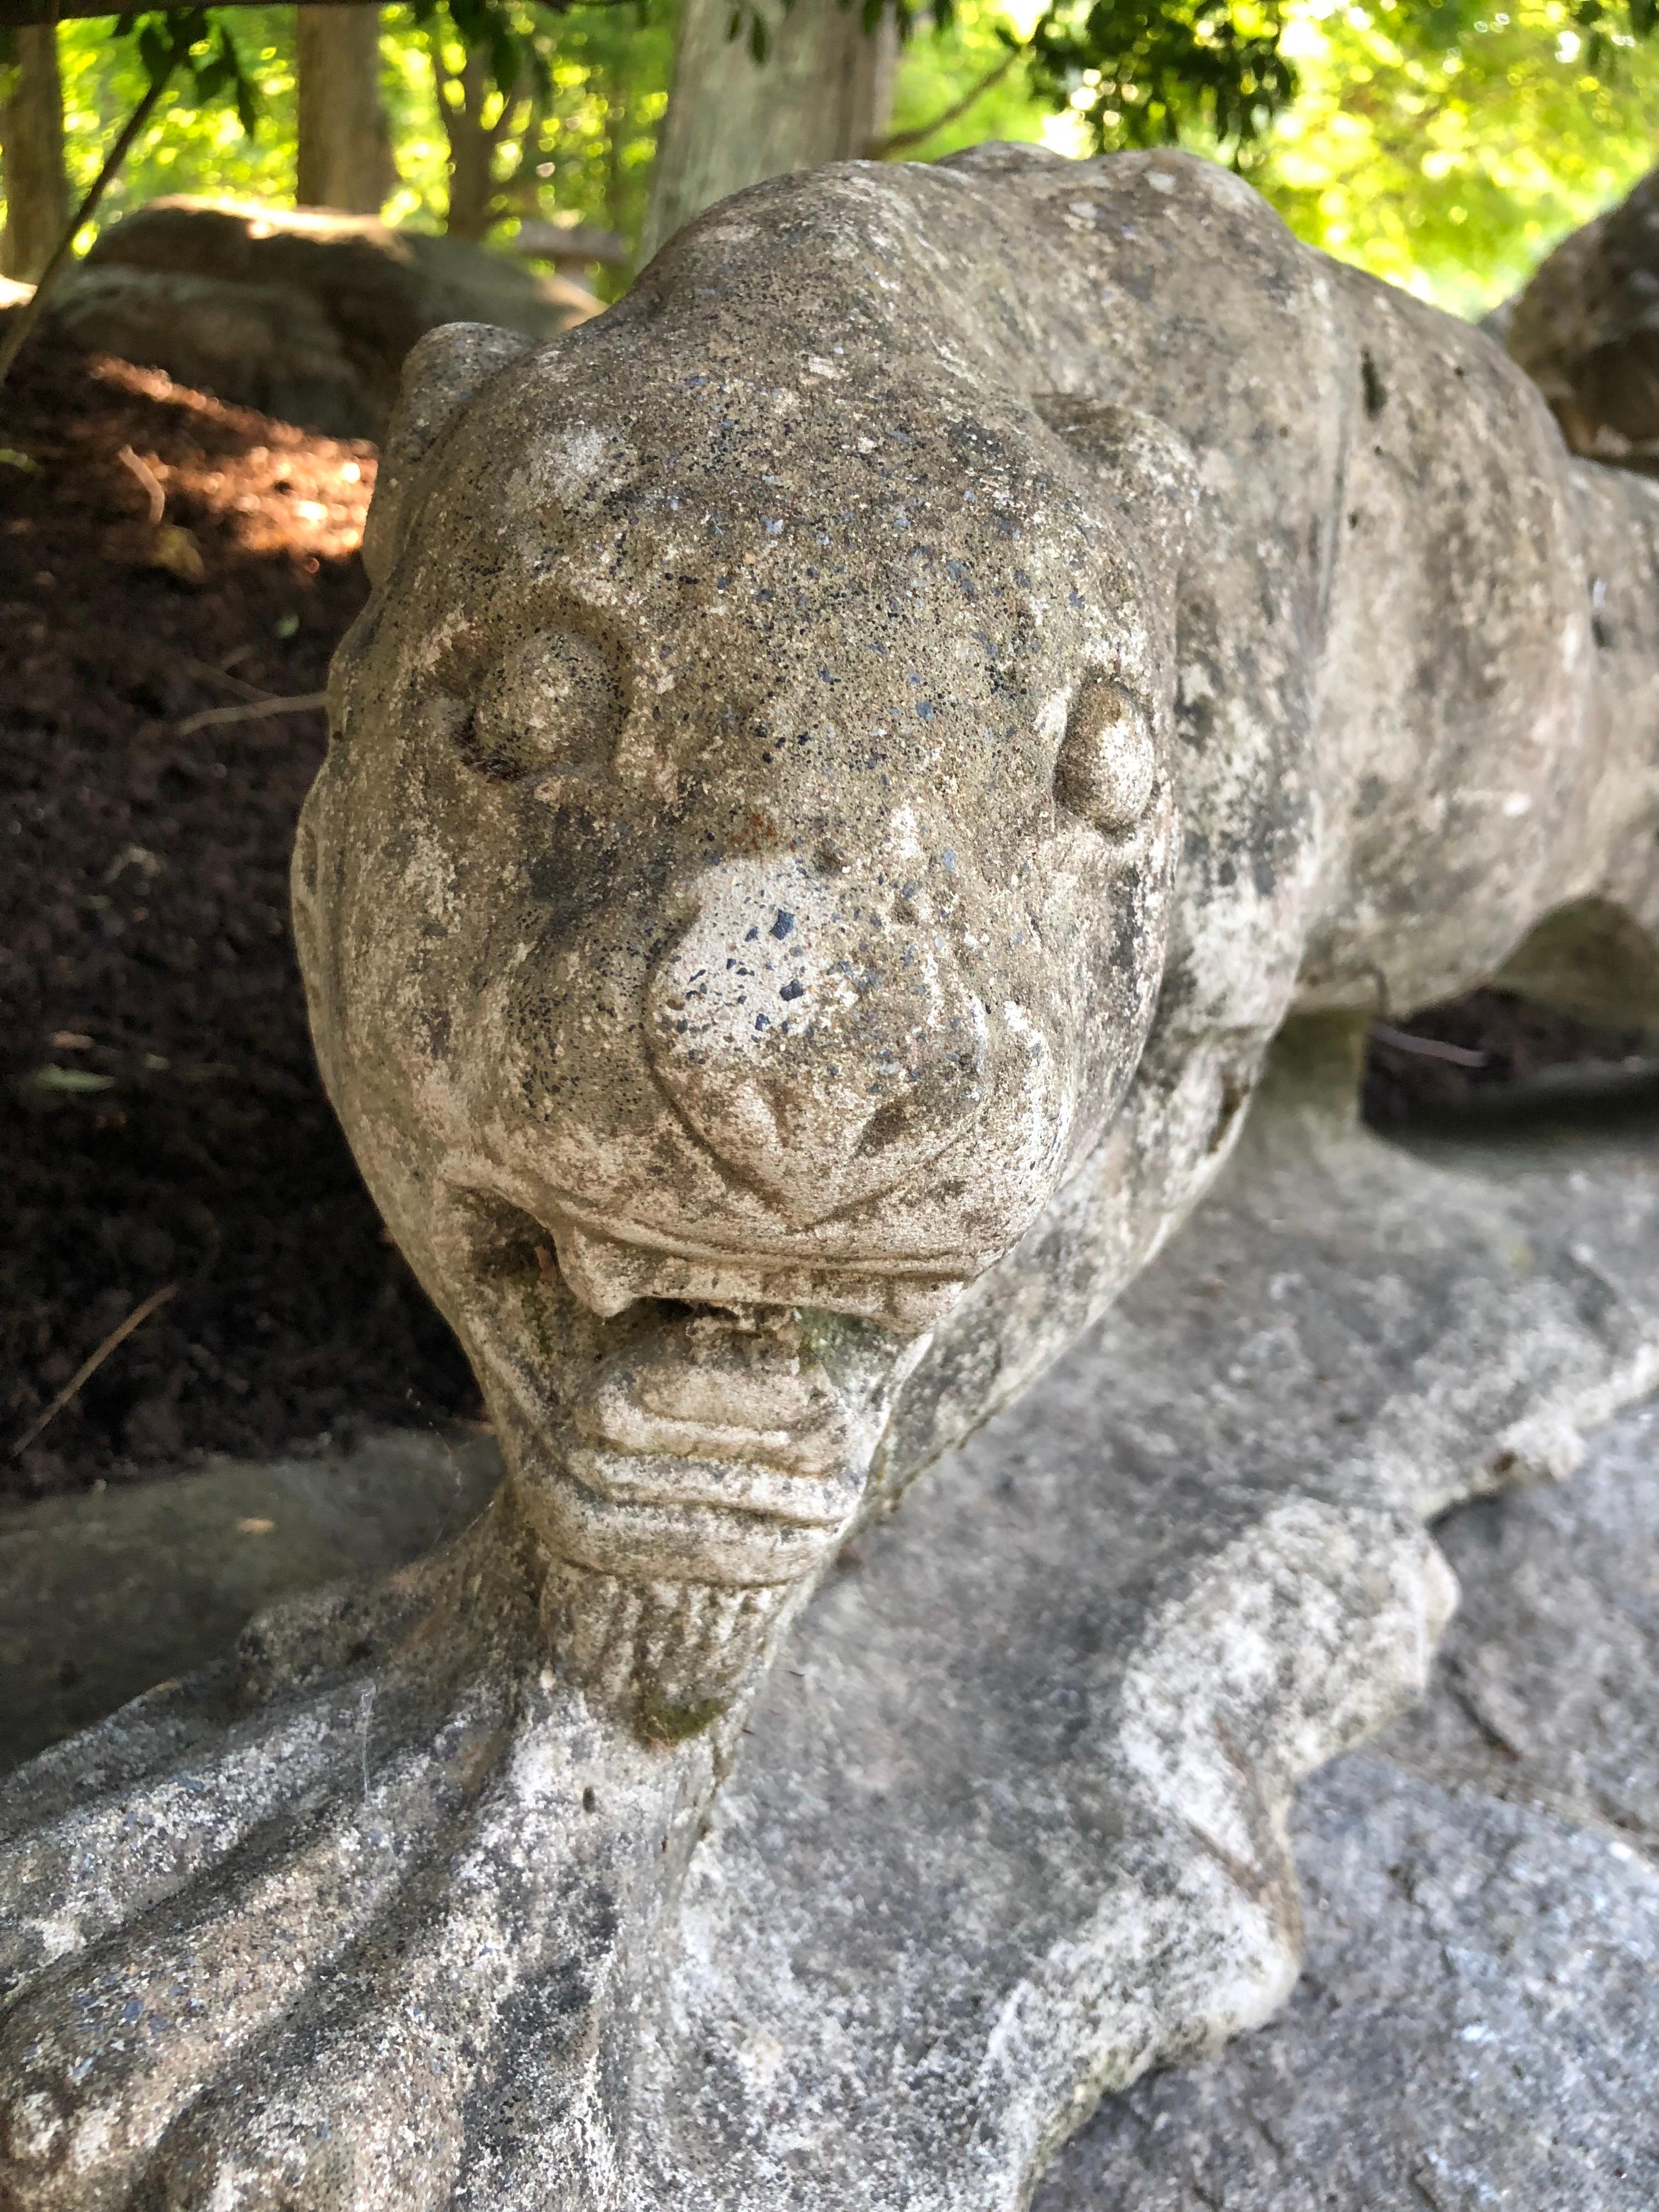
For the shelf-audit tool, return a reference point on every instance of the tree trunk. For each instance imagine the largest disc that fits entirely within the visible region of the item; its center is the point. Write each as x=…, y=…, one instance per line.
x=823, y=94
x=472, y=154
x=345, y=148
x=32, y=144
x=464, y=97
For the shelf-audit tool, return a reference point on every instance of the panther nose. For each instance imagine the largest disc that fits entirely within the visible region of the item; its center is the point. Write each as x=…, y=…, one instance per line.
x=821, y=1047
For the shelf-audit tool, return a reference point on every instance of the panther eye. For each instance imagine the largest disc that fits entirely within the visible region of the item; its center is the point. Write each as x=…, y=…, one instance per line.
x=1108, y=758
x=554, y=704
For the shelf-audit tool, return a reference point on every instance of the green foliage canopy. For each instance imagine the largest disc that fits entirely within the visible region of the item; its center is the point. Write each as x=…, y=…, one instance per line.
x=1444, y=146
x=606, y=85
x=1445, y=149
x=1152, y=69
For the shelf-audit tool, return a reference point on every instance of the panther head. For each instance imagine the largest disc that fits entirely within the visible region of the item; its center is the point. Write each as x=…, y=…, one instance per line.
x=736, y=894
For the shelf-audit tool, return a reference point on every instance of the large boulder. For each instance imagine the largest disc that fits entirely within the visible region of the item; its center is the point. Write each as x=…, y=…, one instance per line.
x=301, y=313
x=1586, y=330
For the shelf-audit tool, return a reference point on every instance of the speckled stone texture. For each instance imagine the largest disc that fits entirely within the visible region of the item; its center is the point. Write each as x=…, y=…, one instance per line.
x=1478, y=2019
x=852, y=759
x=1586, y=329
x=1007, y=1827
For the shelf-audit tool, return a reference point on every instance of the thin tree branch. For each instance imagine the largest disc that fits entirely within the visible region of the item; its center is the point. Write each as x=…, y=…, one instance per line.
x=902, y=141
x=29, y=314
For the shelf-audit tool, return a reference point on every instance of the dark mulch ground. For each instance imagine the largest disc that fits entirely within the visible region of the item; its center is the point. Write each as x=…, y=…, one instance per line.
x=161, y=1120
x=1495, y=1041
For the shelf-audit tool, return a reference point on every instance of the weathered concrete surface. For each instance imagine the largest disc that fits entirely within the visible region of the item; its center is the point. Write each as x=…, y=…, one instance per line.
x=1006, y=1829
x=102, y=1597
x=1477, y=2023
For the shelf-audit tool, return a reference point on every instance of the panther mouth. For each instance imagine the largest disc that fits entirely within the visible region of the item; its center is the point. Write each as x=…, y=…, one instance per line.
x=756, y=1492
x=723, y=1443
x=608, y=1274
x=722, y=1485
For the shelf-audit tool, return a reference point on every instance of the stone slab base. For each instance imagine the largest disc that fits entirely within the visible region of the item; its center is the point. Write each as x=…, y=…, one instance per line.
x=1006, y=1830
x=1477, y=2022
x=104, y=1596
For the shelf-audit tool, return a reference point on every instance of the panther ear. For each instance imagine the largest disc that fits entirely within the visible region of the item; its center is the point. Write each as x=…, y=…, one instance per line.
x=1145, y=466
x=441, y=371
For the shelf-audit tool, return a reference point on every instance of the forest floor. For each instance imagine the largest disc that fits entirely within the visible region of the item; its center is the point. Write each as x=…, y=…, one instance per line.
x=163, y=1128
x=165, y=1140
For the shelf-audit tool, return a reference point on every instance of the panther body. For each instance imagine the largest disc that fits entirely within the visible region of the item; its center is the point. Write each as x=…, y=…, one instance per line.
x=853, y=757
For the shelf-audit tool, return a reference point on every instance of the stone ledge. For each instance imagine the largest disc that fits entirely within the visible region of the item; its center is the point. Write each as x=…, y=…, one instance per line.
x=104, y=1595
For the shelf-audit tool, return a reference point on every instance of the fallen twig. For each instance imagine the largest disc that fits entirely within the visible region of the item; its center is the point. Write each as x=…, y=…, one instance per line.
x=253, y=711
x=238, y=684
x=90, y=1367
x=147, y=477
x=1456, y=1055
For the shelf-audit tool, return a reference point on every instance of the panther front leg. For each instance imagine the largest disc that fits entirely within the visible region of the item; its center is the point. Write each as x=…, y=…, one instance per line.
x=297, y=1958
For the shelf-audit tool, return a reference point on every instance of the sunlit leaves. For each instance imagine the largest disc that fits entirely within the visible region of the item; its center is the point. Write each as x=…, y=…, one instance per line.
x=1148, y=72
x=503, y=34
x=1445, y=149
x=1449, y=154
x=201, y=52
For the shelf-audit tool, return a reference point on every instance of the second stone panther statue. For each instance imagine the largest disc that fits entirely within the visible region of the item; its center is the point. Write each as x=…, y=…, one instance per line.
x=850, y=760
x=852, y=757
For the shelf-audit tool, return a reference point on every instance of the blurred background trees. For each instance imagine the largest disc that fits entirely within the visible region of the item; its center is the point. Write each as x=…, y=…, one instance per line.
x=342, y=141
x=795, y=86
x=1445, y=146
x=32, y=137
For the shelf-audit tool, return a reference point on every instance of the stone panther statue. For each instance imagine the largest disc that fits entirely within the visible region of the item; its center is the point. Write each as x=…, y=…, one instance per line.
x=851, y=759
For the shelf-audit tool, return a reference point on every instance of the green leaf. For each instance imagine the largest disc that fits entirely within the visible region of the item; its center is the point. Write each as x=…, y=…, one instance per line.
x=70, y=1081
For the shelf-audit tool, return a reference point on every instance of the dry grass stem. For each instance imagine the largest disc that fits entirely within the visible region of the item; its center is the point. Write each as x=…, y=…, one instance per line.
x=147, y=477
x=1456, y=1055
x=253, y=711
x=90, y=1365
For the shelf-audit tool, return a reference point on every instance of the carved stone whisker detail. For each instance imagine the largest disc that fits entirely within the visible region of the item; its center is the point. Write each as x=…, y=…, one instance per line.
x=672, y=1656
